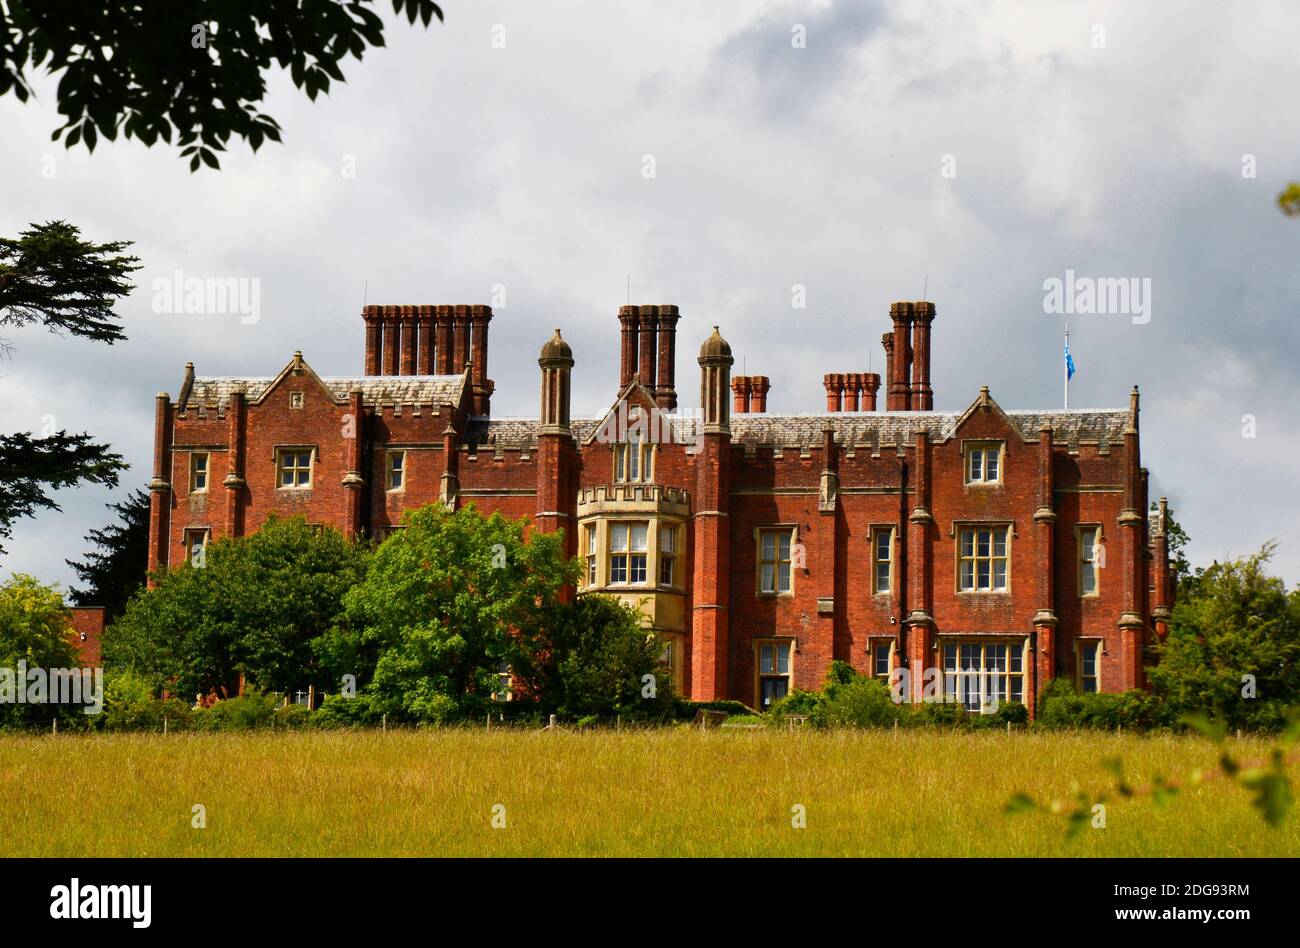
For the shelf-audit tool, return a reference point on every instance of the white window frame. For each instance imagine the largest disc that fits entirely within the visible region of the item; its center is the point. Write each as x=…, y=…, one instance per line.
x=761, y=560
x=668, y=557
x=994, y=671
x=1089, y=564
x=195, y=473
x=874, y=658
x=187, y=543
x=976, y=462
x=971, y=554
x=629, y=554
x=390, y=471
x=281, y=468
x=591, y=554
x=1082, y=648
x=762, y=672
x=890, y=534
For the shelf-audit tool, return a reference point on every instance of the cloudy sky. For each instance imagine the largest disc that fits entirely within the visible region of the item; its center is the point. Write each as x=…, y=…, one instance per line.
x=971, y=151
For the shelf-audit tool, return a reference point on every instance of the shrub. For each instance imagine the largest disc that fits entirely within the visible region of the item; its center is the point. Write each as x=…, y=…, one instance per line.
x=1135, y=710
x=942, y=714
x=291, y=717
x=858, y=702
x=840, y=673
x=795, y=704
x=1012, y=712
x=337, y=712
x=131, y=704
x=685, y=710
x=250, y=710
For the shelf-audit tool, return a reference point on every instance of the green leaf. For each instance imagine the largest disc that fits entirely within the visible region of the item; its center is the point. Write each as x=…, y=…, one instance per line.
x=1214, y=730
x=1020, y=803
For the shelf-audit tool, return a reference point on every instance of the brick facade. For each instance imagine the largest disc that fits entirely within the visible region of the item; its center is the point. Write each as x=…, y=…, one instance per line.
x=86, y=633
x=882, y=547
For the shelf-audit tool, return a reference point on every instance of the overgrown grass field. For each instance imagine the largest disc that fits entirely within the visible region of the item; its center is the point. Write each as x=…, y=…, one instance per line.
x=662, y=793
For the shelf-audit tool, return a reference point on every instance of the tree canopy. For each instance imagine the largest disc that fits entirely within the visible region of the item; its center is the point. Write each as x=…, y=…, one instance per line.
x=114, y=571
x=251, y=605
x=1233, y=650
x=192, y=70
x=446, y=603
x=51, y=275
x=33, y=630
x=438, y=624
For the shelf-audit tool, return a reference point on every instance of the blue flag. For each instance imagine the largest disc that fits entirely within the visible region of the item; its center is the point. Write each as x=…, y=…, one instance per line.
x=1069, y=362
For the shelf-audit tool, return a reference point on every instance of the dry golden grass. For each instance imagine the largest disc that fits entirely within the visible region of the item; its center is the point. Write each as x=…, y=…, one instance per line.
x=662, y=793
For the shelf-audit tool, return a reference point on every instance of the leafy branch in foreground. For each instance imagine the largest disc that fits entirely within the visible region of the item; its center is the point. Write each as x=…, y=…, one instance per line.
x=1289, y=200
x=195, y=68
x=1269, y=782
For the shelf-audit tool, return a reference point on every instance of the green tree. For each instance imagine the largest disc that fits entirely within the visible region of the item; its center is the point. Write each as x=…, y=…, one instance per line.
x=593, y=658
x=1236, y=621
x=33, y=630
x=119, y=568
x=253, y=605
x=444, y=604
x=193, y=67
x=50, y=275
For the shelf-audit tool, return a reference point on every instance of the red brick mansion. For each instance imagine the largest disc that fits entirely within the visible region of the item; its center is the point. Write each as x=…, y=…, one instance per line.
x=1002, y=548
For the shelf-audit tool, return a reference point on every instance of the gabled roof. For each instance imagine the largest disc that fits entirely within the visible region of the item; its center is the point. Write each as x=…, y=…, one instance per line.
x=633, y=394
x=215, y=390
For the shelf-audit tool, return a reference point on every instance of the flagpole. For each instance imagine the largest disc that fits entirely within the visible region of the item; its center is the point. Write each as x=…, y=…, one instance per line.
x=1066, y=368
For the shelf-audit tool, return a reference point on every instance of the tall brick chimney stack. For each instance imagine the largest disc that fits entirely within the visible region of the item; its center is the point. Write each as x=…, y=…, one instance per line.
x=442, y=355
x=740, y=391
x=852, y=391
x=459, y=338
x=424, y=354
x=870, y=386
x=374, y=337
x=852, y=382
x=665, y=385
x=900, y=382
x=646, y=346
x=392, y=332
x=407, y=366
x=431, y=340
x=629, y=317
x=480, y=385
x=887, y=341
x=834, y=383
x=922, y=395
x=750, y=393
